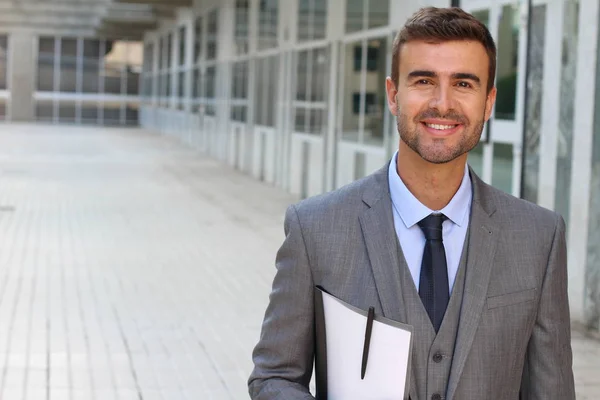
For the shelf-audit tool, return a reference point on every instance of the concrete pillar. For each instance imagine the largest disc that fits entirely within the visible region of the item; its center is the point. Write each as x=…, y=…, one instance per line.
x=22, y=76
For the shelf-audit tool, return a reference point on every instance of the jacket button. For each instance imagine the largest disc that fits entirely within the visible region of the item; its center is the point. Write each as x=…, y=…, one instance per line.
x=436, y=397
x=437, y=357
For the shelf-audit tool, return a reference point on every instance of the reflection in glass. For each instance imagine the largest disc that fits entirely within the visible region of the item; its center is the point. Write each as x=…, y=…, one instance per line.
x=112, y=113
x=3, y=64
x=2, y=109
x=242, y=19
x=266, y=77
x=364, y=111
x=239, y=88
x=182, y=45
x=211, y=39
x=169, y=51
x=374, y=107
x=379, y=13
x=44, y=111
x=352, y=95
x=113, y=67
x=68, y=65
x=267, y=24
x=354, y=15
x=507, y=62
x=319, y=82
x=45, y=70
x=89, y=113
x=475, y=159
x=567, y=109
x=302, y=75
x=66, y=112
x=534, y=103
x=131, y=114
x=503, y=167
x=91, y=66
x=198, y=40
x=211, y=76
x=312, y=20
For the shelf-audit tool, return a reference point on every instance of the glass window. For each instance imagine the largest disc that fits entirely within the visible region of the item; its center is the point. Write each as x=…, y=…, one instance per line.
x=2, y=109
x=312, y=20
x=503, y=167
x=198, y=40
x=89, y=113
x=161, y=53
x=133, y=69
x=354, y=15
x=91, y=66
x=169, y=50
x=239, y=89
x=534, y=104
x=182, y=45
x=242, y=19
x=45, y=70
x=379, y=13
x=364, y=111
x=475, y=158
x=197, y=83
x=112, y=113
x=507, y=62
x=113, y=63
x=3, y=62
x=211, y=39
x=68, y=65
x=44, y=111
x=312, y=67
x=268, y=24
x=66, y=112
x=132, y=114
x=267, y=79
x=211, y=76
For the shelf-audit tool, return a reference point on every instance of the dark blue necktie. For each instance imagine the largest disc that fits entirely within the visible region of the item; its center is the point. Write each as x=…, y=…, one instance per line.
x=433, y=283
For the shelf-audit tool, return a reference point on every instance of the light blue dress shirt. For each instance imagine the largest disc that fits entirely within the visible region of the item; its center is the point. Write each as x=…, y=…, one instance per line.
x=408, y=211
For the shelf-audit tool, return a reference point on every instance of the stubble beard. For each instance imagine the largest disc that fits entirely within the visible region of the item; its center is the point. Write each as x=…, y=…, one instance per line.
x=439, y=152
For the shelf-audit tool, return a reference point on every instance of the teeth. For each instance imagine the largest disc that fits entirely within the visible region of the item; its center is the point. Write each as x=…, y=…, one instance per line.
x=440, y=127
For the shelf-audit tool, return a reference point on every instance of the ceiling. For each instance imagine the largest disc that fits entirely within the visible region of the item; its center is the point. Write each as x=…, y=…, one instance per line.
x=114, y=19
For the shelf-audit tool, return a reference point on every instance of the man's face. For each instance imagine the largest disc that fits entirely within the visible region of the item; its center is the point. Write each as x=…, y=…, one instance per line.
x=441, y=101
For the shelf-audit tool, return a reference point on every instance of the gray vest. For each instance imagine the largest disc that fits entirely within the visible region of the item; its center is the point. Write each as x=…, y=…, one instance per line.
x=432, y=354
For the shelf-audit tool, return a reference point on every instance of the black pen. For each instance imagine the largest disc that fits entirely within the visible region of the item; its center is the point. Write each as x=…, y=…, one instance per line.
x=367, y=343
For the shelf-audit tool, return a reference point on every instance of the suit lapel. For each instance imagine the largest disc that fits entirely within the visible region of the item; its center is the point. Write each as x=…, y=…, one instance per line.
x=480, y=260
x=377, y=224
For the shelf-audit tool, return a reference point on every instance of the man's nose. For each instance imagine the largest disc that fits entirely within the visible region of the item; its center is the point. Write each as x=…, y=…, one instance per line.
x=442, y=99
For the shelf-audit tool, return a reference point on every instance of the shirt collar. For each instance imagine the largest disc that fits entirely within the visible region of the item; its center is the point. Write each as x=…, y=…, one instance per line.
x=411, y=210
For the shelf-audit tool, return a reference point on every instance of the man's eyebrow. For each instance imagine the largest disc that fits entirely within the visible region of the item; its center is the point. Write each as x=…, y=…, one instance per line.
x=420, y=73
x=456, y=75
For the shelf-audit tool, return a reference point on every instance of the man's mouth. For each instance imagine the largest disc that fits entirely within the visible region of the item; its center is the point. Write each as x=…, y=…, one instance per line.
x=440, y=127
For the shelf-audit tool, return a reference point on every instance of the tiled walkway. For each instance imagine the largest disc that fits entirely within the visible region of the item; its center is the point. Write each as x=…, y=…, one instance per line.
x=131, y=267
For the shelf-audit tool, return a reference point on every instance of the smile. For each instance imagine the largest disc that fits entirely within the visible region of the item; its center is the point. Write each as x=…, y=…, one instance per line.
x=440, y=127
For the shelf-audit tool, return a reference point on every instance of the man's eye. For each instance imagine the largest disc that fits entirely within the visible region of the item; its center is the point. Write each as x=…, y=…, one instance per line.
x=423, y=82
x=464, y=84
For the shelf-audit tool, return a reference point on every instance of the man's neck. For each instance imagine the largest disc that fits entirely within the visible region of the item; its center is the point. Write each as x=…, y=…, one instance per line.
x=434, y=185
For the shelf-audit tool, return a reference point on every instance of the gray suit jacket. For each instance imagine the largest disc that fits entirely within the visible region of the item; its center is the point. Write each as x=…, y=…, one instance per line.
x=514, y=327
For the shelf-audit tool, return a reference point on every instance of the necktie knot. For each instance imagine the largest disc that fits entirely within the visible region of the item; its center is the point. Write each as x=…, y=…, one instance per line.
x=432, y=226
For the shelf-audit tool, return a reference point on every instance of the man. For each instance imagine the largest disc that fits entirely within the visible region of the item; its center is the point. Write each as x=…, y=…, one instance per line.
x=480, y=275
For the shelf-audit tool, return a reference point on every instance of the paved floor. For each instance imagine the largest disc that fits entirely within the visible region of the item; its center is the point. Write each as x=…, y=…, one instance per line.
x=132, y=267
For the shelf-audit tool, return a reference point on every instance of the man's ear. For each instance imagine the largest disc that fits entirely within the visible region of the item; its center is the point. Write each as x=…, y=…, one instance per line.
x=489, y=103
x=392, y=91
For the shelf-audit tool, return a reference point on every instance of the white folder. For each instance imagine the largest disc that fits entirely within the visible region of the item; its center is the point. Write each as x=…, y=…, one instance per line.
x=340, y=341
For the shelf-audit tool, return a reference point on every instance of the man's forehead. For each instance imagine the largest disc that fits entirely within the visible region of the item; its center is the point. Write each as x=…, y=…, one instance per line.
x=444, y=57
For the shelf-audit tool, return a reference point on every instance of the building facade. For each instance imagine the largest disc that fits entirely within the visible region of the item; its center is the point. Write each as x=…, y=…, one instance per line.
x=292, y=92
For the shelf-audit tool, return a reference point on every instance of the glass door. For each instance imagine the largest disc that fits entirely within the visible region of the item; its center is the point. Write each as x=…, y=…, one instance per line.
x=497, y=159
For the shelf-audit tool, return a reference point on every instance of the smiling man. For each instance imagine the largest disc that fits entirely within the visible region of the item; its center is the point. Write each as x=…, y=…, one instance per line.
x=480, y=275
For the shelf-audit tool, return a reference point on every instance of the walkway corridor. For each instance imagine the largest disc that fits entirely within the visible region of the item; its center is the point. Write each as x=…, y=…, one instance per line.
x=132, y=267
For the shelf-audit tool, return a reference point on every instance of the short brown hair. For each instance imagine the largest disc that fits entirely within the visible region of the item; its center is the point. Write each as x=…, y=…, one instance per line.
x=437, y=25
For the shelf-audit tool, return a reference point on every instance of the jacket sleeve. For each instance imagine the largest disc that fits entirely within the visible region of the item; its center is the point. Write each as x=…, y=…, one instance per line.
x=548, y=372
x=283, y=357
